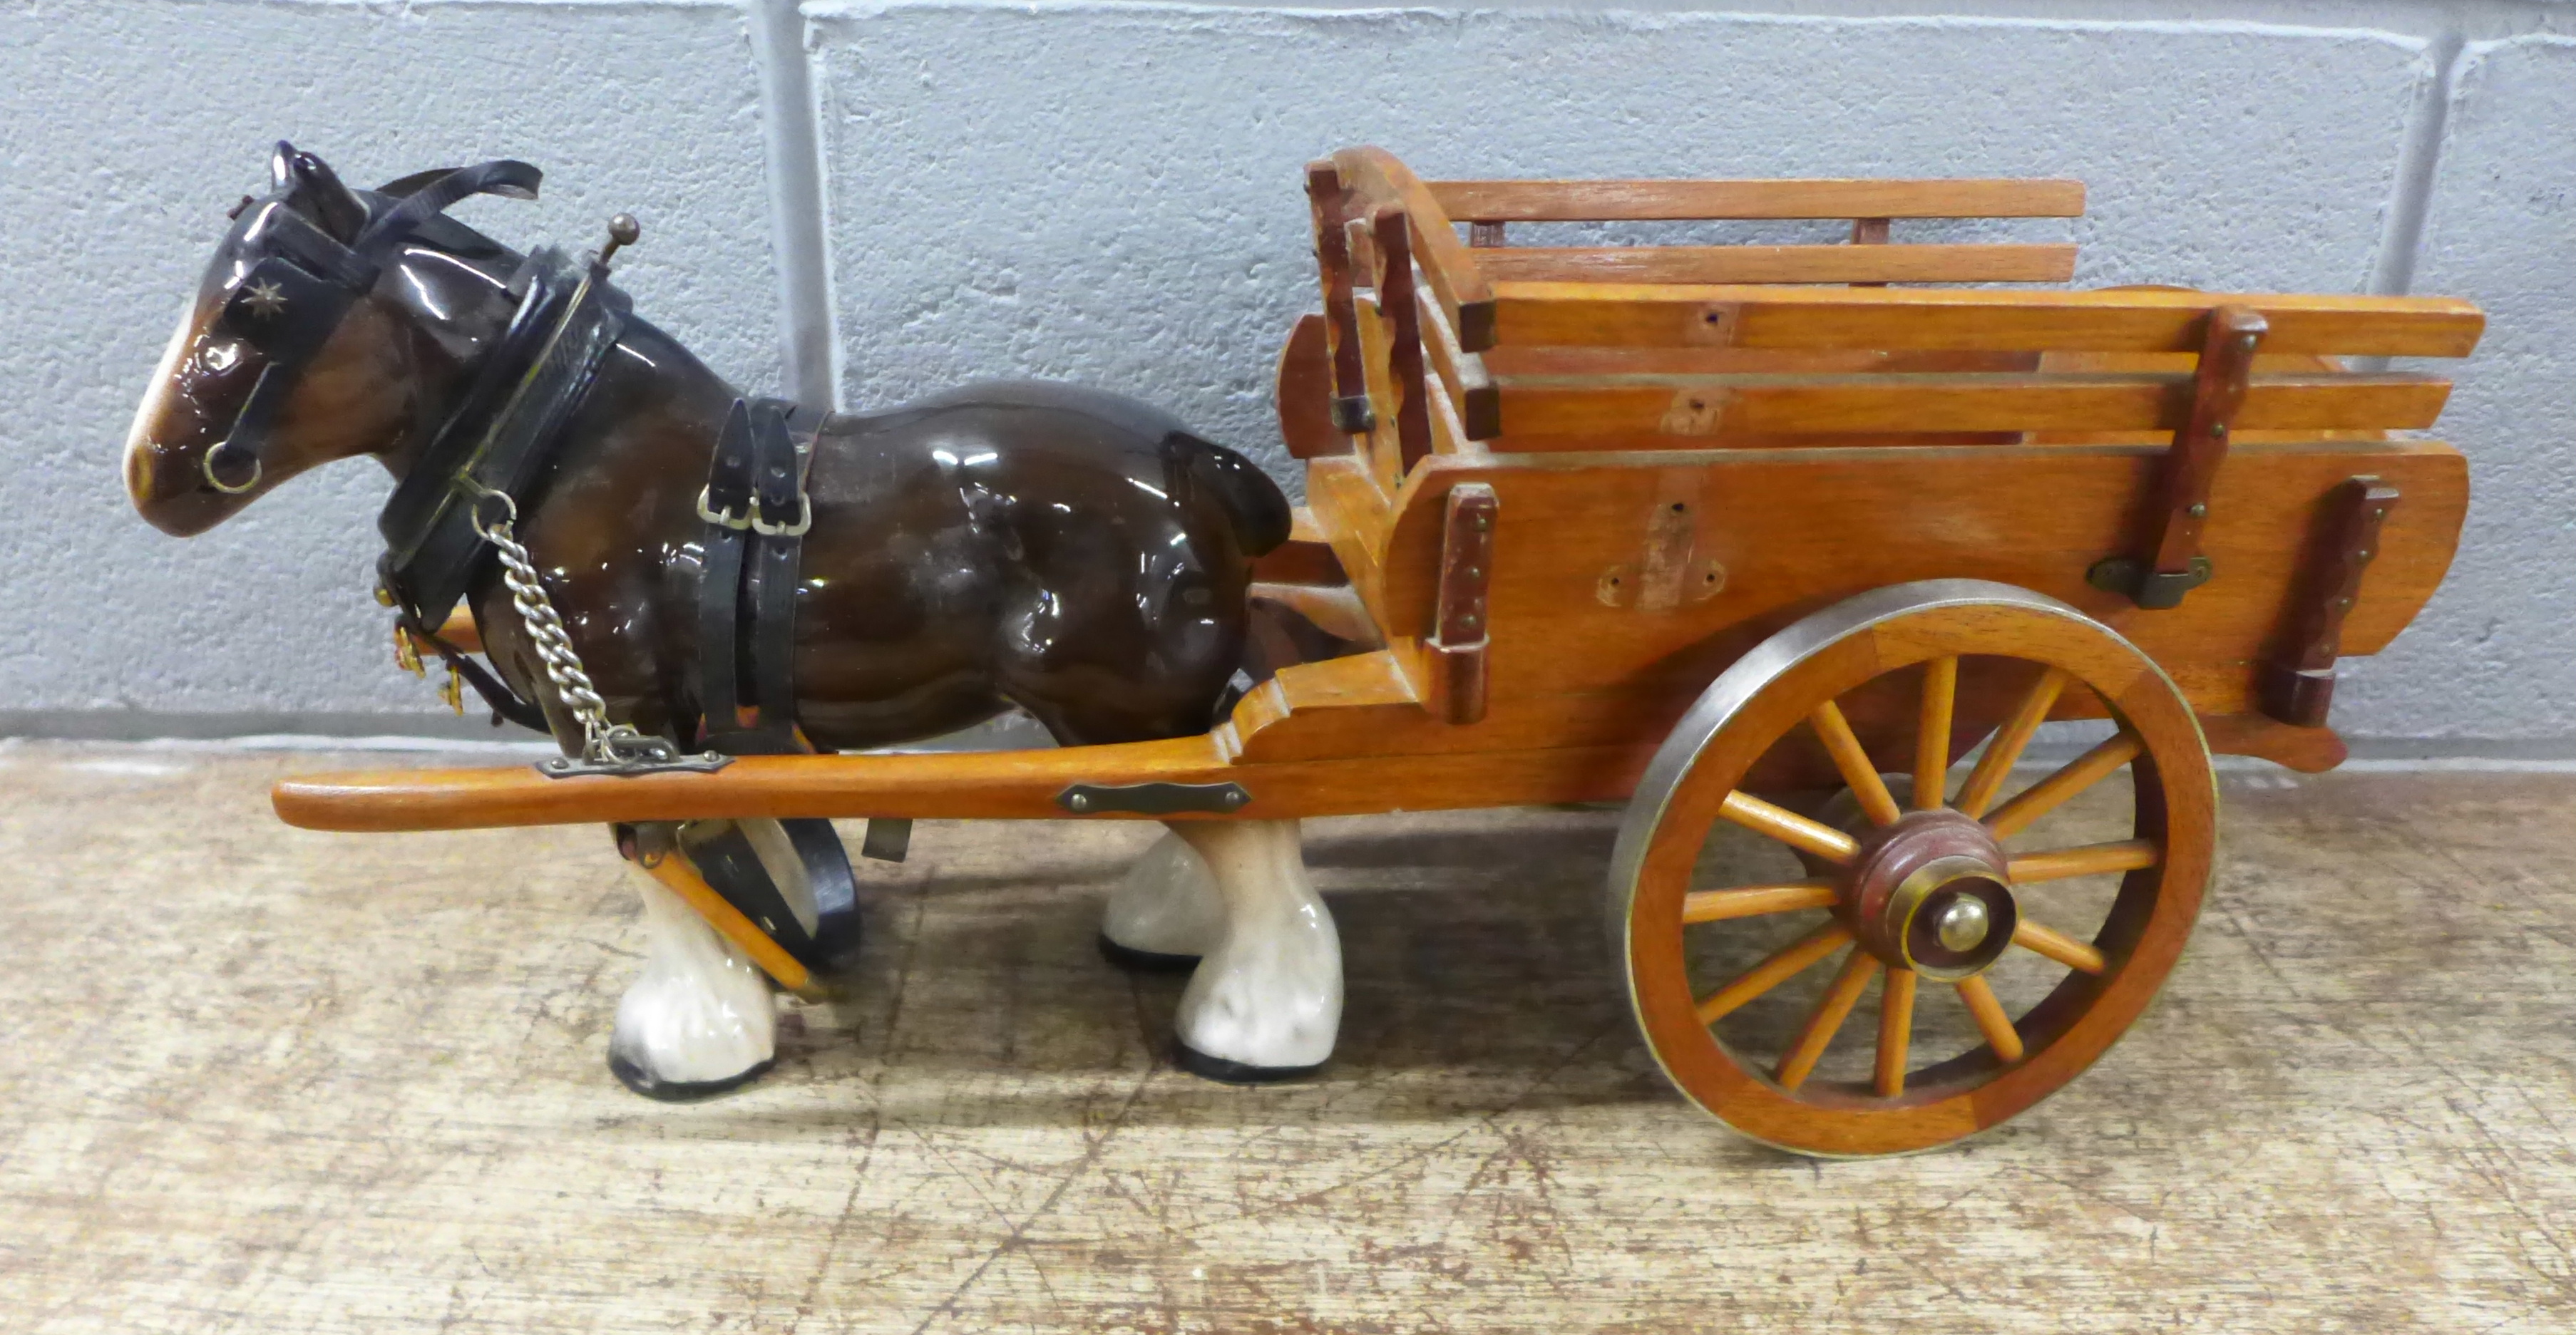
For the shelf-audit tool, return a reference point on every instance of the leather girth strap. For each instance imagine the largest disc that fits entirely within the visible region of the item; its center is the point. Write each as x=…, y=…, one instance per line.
x=751, y=558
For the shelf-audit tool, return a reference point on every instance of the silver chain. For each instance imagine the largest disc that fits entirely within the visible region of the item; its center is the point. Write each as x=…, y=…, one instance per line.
x=601, y=741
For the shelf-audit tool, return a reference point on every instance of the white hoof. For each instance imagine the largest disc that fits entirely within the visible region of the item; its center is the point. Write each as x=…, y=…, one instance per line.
x=1266, y=1001
x=1166, y=913
x=699, y=1020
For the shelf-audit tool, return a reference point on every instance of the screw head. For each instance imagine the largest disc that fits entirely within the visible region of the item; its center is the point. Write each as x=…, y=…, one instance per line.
x=1963, y=923
x=2198, y=510
x=1079, y=802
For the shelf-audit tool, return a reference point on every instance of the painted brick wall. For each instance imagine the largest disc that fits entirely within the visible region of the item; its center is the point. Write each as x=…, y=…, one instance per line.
x=869, y=201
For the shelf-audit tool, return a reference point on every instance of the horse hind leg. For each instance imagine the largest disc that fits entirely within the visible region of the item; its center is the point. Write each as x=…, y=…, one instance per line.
x=1265, y=1002
x=698, y=1021
x=1166, y=914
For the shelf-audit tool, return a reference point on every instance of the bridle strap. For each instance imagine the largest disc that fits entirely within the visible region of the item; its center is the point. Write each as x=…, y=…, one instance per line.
x=352, y=270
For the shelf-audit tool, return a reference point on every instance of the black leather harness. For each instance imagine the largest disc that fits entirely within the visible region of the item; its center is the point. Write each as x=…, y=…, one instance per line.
x=501, y=440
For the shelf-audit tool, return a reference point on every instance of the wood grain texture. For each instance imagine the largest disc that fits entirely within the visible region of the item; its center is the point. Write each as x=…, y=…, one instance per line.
x=1780, y=264
x=355, y=1084
x=1606, y=201
x=1374, y=177
x=1932, y=514
x=2115, y=320
x=1603, y=412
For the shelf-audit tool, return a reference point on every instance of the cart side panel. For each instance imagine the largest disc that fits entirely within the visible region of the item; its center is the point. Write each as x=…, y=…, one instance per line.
x=1761, y=537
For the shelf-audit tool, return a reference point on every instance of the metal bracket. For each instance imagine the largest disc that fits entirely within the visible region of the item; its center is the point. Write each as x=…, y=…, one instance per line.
x=655, y=756
x=1153, y=799
x=2172, y=564
x=2129, y=575
x=1352, y=415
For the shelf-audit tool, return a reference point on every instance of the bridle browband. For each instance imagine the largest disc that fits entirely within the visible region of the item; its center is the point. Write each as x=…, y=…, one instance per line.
x=290, y=302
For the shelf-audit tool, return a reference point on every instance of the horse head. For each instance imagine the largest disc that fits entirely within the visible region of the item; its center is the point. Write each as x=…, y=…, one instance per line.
x=319, y=331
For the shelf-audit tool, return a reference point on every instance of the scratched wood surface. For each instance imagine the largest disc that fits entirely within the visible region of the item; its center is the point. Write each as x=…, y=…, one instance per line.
x=254, y=1079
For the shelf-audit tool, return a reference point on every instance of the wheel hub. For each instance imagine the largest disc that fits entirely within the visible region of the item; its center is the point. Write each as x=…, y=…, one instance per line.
x=1930, y=892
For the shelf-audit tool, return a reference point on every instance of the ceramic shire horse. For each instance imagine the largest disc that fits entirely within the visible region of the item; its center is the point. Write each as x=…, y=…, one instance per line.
x=1077, y=554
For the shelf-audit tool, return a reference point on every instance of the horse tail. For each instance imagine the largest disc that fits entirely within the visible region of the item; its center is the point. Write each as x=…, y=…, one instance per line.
x=1254, y=503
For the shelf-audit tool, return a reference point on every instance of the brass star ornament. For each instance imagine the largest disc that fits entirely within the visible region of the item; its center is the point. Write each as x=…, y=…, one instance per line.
x=266, y=300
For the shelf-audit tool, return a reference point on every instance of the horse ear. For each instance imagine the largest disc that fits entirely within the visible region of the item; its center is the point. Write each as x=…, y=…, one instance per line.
x=314, y=190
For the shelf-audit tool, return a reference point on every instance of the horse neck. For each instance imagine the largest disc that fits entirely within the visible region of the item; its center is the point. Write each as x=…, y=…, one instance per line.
x=649, y=394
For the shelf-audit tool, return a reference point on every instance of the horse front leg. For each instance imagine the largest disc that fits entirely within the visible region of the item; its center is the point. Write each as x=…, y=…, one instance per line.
x=698, y=1020
x=1265, y=1002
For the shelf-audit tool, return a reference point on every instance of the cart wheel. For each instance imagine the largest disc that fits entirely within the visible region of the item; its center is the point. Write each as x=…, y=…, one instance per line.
x=1927, y=900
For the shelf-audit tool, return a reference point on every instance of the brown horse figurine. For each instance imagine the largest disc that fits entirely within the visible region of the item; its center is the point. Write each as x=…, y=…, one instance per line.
x=1077, y=554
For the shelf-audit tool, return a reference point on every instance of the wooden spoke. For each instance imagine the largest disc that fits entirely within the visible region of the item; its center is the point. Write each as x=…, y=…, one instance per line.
x=1987, y=779
x=1754, y=900
x=1789, y=827
x=2089, y=860
x=1784, y=964
x=2079, y=774
x=1827, y=1019
x=1895, y=1030
x=1991, y=1020
x=1932, y=733
x=1875, y=801
x=2057, y=945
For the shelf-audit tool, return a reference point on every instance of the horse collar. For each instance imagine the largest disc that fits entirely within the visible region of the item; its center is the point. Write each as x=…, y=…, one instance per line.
x=502, y=435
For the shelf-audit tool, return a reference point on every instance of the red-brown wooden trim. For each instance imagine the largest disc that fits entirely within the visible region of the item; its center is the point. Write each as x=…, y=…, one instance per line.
x=1325, y=196
x=1460, y=634
x=2297, y=683
x=1397, y=303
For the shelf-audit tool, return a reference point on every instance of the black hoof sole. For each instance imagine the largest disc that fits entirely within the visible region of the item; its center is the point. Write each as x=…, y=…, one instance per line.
x=1227, y=1071
x=1144, y=961
x=635, y=1077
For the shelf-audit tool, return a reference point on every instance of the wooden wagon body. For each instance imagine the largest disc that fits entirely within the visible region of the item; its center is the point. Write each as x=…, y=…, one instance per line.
x=1554, y=493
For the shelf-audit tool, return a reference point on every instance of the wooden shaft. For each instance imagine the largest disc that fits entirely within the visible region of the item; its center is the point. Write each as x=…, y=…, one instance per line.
x=1397, y=304
x=2079, y=774
x=2088, y=860
x=1755, y=900
x=1789, y=827
x=1784, y=964
x=1987, y=779
x=990, y=785
x=1932, y=732
x=2058, y=946
x=1990, y=1017
x=1827, y=1019
x=1895, y=1031
x=673, y=870
x=1853, y=761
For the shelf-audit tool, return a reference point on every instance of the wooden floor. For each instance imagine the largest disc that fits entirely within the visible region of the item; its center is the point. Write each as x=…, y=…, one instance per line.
x=253, y=1079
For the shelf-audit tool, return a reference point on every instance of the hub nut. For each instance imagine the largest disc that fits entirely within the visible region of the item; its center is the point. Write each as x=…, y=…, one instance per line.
x=1930, y=894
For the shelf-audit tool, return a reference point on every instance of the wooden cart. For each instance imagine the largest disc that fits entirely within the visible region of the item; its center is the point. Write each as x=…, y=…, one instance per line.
x=1753, y=540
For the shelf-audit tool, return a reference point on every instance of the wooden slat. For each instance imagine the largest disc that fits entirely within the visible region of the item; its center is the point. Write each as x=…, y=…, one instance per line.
x=1600, y=408
x=1781, y=264
x=1378, y=179
x=1607, y=201
x=1647, y=315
